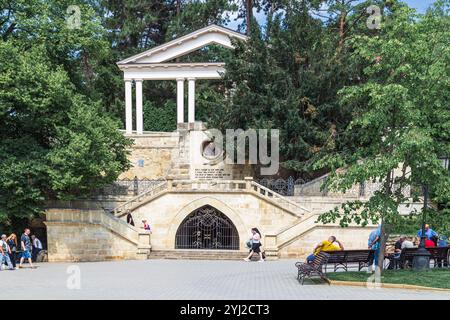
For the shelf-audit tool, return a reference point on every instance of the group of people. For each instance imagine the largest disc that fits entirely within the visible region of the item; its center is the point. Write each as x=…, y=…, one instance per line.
x=432, y=239
x=29, y=248
x=130, y=221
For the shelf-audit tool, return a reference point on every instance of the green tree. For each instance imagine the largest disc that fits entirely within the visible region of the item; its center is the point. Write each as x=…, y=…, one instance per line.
x=401, y=118
x=56, y=141
x=287, y=77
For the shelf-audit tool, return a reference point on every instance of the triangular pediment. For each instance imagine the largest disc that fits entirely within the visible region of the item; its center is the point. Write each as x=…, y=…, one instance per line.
x=184, y=45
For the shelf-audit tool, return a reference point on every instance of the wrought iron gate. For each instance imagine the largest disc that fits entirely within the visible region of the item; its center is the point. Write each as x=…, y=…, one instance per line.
x=207, y=228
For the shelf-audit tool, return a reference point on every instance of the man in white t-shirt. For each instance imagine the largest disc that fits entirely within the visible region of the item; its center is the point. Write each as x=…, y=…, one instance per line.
x=37, y=247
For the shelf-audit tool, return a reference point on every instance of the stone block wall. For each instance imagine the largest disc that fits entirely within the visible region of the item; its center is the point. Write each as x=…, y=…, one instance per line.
x=351, y=238
x=152, y=155
x=73, y=235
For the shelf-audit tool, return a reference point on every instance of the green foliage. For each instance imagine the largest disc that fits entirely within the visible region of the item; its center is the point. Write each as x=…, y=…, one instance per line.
x=287, y=77
x=401, y=118
x=56, y=142
x=160, y=119
x=438, y=220
x=434, y=278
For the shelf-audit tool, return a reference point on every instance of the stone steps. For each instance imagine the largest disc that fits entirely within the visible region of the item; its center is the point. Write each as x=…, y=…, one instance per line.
x=200, y=255
x=178, y=176
x=177, y=171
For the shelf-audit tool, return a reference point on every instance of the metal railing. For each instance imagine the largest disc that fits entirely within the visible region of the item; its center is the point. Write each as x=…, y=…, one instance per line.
x=247, y=185
x=127, y=187
x=282, y=186
x=123, y=208
x=282, y=200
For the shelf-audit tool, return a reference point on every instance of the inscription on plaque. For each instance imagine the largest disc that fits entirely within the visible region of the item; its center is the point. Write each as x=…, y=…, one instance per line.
x=211, y=173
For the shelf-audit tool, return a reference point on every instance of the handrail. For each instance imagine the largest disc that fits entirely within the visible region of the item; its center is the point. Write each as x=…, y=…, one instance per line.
x=306, y=184
x=220, y=185
x=123, y=207
x=278, y=196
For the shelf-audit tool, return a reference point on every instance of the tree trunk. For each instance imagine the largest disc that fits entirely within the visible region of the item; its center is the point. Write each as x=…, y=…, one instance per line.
x=178, y=7
x=342, y=22
x=383, y=233
x=383, y=238
x=248, y=15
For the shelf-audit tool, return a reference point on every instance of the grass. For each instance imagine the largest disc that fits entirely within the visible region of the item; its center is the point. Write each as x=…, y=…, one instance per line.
x=435, y=278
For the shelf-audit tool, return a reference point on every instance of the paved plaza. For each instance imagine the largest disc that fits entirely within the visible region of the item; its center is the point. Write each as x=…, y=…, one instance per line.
x=183, y=279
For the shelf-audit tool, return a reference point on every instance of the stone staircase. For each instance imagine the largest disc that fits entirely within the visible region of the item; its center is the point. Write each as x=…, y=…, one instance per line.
x=194, y=254
x=180, y=169
x=103, y=226
x=273, y=242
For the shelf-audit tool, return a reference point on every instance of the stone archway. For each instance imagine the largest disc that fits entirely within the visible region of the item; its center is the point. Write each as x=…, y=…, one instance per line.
x=207, y=228
x=220, y=206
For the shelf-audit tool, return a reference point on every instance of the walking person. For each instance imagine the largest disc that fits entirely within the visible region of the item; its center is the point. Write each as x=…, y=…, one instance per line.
x=25, y=244
x=130, y=218
x=12, y=243
x=374, y=244
x=37, y=247
x=5, y=252
x=256, y=245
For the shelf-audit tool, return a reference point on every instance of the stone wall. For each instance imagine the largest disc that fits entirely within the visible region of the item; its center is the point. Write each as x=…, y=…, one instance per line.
x=152, y=155
x=166, y=213
x=83, y=242
x=351, y=238
x=89, y=235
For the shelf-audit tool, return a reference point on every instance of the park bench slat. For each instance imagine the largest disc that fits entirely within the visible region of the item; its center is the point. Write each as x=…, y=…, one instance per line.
x=341, y=258
x=313, y=268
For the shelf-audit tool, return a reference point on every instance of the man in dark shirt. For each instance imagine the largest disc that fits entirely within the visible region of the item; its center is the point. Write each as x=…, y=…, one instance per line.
x=394, y=257
x=25, y=244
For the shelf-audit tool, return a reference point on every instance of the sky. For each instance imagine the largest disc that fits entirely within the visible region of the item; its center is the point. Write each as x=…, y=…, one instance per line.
x=419, y=5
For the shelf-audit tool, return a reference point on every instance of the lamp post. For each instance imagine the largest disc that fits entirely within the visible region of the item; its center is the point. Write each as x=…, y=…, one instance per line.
x=421, y=260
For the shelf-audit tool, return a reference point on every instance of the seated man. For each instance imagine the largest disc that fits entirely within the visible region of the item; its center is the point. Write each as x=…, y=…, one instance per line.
x=394, y=257
x=408, y=244
x=326, y=245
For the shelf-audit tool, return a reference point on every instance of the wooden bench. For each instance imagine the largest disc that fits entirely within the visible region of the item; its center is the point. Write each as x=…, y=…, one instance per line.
x=440, y=256
x=341, y=258
x=312, y=269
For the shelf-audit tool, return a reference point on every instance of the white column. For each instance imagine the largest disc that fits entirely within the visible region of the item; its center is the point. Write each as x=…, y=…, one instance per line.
x=139, y=112
x=128, y=108
x=191, y=100
x=180, y=100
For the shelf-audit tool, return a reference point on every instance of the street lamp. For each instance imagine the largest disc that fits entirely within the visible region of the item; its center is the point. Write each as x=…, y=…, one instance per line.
x=421, y=260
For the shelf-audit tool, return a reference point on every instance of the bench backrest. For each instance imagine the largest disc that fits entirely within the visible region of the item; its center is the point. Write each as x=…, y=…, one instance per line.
x=343, y=256
x=320, y=259
x=435, y=252
x=438, y=252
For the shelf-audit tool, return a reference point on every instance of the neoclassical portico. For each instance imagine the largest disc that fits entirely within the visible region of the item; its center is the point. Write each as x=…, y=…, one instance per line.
x=155, y=64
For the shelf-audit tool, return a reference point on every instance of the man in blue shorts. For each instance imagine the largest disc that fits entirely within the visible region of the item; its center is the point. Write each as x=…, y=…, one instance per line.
x=25, y=243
